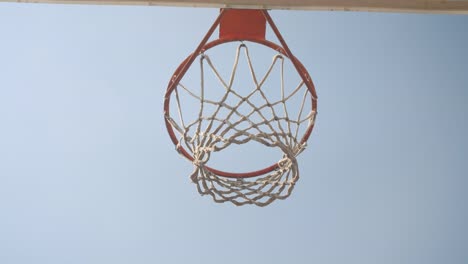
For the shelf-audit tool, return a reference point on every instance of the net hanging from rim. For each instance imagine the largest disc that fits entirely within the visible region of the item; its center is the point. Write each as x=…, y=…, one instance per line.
x=220, y=122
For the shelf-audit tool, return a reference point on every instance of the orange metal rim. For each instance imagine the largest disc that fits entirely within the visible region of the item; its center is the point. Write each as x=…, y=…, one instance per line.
x=172, y=86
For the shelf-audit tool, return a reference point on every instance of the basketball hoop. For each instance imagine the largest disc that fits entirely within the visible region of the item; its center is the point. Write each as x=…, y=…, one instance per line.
x=209, y=132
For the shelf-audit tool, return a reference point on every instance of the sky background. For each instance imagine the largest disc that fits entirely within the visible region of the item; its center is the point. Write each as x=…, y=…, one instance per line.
x=89, y=175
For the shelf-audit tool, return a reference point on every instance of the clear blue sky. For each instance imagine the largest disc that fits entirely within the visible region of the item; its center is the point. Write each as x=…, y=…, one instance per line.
x=88, y=174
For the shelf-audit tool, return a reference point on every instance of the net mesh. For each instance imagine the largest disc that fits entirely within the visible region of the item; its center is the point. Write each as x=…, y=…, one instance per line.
x=239, y=119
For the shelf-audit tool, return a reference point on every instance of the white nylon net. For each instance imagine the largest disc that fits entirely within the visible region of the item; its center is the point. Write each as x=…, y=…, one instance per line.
x=220, y=123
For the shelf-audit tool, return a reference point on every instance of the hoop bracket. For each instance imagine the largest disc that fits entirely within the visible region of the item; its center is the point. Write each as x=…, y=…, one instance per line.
x=238, y=25
x=242, y=24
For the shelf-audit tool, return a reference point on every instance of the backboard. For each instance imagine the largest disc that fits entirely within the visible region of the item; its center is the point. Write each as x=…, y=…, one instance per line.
x=414, y=6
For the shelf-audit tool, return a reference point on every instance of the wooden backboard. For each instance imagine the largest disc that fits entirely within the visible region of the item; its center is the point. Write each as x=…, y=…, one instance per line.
x=413, y=6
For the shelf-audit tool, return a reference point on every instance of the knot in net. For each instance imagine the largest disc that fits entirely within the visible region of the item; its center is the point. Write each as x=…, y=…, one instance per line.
x=265, y=112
